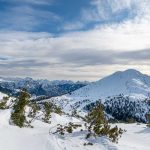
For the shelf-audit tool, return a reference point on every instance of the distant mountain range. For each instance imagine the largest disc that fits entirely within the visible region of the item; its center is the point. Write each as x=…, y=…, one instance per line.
x=46, y=88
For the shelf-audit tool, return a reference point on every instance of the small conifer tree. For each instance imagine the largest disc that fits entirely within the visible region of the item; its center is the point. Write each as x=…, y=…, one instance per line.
x=67, y=128
x=18, y=115
x=57, y=110
x=3, y=102
x=47, y=111
x=98, y=125
x=34, y=109
x=148, y=120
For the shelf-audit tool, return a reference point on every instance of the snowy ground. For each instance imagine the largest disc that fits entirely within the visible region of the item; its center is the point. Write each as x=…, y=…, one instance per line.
x=137, y=137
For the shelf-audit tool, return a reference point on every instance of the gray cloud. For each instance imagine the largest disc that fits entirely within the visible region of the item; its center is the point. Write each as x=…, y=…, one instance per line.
x=74, y=65
x=23, y=64
x=85, y=57
x=140, y=55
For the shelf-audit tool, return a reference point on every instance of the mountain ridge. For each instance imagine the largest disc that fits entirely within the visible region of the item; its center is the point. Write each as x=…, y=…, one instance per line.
x=41, y=87
x=129, y=83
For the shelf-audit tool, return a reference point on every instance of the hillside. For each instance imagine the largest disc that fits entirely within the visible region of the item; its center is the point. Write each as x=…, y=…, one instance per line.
x=39, y=137
x=129, y=82
x=123, y=91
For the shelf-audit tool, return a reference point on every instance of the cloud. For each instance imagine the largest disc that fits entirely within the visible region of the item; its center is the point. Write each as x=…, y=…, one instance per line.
x=113, y=10
x=89, y=54
x=76, y=55
x=73, y=26
x=26, y=64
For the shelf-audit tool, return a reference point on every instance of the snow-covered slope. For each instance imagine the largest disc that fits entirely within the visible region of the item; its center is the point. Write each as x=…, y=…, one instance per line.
x=2, y=95
x=38, y=138
x=130, y=83
x=41, y=138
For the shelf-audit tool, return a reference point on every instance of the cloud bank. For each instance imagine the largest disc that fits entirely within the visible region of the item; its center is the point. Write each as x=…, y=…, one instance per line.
x=118, y=40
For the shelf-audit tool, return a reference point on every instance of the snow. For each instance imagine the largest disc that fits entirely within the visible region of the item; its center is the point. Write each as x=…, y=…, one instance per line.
x=2, y=95
x=130, y=83
x=137, y=137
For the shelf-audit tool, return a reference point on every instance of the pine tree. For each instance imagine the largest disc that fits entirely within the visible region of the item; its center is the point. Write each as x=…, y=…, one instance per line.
x=57, y=110
x=98, y=125
x=47, y=112
x=34, y=109
x=18, y=115
x=3, y=103
x=148, y=119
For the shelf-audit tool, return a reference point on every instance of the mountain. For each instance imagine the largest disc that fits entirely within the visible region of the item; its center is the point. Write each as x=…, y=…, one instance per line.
x=47, y=88
x=42, y=135
x=129, y=82
x=129, y=89
x=126, y=92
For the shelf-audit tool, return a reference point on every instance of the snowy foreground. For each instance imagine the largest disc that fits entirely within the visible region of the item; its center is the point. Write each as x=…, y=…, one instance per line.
x=137, y=137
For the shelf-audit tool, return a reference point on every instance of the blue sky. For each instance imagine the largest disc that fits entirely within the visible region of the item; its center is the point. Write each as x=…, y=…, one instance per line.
x=48, y=16
x=72, y=39
x=56, y=16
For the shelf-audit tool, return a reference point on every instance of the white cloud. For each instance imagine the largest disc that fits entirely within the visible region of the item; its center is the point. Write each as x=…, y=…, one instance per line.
x=73, y=26
x=79, y=55
x=109, y=9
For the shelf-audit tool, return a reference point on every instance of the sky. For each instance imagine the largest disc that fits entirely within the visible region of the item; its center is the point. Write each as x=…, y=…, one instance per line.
x=73, y=39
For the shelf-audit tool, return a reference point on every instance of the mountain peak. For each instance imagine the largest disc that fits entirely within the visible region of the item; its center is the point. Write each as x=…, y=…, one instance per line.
x=128, y=72
x=132, y=71
x=129, y=82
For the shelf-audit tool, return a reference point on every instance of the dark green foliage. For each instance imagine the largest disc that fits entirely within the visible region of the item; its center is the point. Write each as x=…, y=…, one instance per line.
x=34, y=109
x=18, y=115
x=48, y=108
x=57, y=110
x=4, y=102
x=130, y=120
x=68, y=128
x=148, y=119
x=60, y=130
x=47, y=111
x=126, y=110
x=98, y=125
x=89, y=143
x=122, y=109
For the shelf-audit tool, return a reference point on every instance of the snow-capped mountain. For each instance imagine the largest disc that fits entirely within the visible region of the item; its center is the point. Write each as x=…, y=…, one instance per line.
x=39, y=87
x=121, y=87
x=130, y=82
